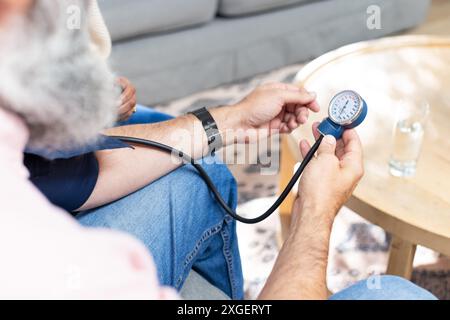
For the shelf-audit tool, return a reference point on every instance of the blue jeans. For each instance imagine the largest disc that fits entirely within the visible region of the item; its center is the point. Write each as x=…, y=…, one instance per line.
x=384, y=288
x=145, y=115
x=179, y=221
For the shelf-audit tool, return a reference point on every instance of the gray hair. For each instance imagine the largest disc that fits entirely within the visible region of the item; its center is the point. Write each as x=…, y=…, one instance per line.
x=52, y=78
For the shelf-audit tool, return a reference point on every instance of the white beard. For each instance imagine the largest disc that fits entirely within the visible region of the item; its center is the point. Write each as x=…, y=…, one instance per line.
x=51, y=77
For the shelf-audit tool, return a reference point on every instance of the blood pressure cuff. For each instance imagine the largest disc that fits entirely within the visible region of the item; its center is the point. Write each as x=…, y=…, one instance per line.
x=67, y=177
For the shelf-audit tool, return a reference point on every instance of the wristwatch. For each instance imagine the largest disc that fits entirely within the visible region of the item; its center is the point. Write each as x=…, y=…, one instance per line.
x=211, y=129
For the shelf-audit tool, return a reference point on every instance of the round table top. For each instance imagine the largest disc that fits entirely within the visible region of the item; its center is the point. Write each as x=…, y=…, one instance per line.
x=384, y=72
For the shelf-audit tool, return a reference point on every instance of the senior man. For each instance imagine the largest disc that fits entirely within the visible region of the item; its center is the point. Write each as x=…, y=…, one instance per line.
x=145, y=193
x=55, y=92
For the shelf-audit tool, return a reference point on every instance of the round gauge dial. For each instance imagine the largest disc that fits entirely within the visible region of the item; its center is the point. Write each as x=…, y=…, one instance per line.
x=345, y=107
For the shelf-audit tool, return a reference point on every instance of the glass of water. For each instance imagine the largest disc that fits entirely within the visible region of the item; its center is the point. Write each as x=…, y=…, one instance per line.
x=408, y=135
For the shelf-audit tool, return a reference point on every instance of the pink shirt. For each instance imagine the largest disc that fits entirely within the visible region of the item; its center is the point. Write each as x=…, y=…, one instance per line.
x=45, y=253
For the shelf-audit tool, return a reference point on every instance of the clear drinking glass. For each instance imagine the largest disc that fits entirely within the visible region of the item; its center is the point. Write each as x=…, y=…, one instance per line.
x=408, y=135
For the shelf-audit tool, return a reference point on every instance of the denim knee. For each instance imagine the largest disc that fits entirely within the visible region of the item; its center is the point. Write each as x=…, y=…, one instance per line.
x=177, y=218
x=384, y=288
x=230, y=279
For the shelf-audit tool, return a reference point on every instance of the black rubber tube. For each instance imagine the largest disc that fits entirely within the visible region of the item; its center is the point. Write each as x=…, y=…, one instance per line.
x=210, y=184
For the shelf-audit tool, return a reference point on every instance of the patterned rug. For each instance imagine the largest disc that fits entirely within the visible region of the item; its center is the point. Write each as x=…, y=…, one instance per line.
x=358, y=249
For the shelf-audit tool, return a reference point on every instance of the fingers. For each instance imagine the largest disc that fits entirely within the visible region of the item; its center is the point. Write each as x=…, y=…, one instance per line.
x=294, y=116
x=352, y=159
x=304, y=115
x=340, y=149
x=304, y=144
x=126, y=116
x=128, y=93
x=296, y=107
x=294, y=94
x=301, y=114
x=283, y=86
x=299, y=97
x=315, y=130
x=352, y=143
x=127, y=99
x=127, y=109
x=123, y=82
x=314, y=106
x=284, y=128
x=128, y=90
x=126, y=86
x=297, y=103
x=327, y=147
x=304, y=147
x=286, y=122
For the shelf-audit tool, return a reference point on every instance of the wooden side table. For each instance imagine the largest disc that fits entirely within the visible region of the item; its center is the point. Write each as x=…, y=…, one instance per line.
x=414, y=210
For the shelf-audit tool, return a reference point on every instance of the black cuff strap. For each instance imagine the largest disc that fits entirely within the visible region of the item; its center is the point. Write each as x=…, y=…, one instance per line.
x=211, y=129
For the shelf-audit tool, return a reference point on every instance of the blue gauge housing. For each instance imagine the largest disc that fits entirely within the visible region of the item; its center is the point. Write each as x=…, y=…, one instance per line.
x=334, y=127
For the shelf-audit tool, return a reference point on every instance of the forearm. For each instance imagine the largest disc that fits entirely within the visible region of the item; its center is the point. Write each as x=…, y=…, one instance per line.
x=123, y=171
x=300, y=270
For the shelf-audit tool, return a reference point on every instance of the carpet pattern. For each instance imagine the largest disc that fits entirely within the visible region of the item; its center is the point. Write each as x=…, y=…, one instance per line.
x=358, y=248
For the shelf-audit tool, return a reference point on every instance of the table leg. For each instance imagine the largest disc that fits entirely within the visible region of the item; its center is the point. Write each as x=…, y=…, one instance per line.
x=287, y=165
x=401, y=258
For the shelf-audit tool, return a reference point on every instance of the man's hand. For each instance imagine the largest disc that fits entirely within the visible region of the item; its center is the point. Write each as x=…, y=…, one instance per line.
x=326, y=184
x=127, y=99
x=272, y=107
x=330, y=178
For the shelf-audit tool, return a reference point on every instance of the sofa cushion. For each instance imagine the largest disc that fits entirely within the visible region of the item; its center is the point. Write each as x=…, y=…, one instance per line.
x=169, y=66
x=132, y=18
x=230, y=8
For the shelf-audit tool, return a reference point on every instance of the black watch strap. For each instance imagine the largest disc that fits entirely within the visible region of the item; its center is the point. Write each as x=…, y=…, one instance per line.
x=211, y=129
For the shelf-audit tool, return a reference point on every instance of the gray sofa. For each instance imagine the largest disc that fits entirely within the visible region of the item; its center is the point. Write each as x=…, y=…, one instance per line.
x=172, y=48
